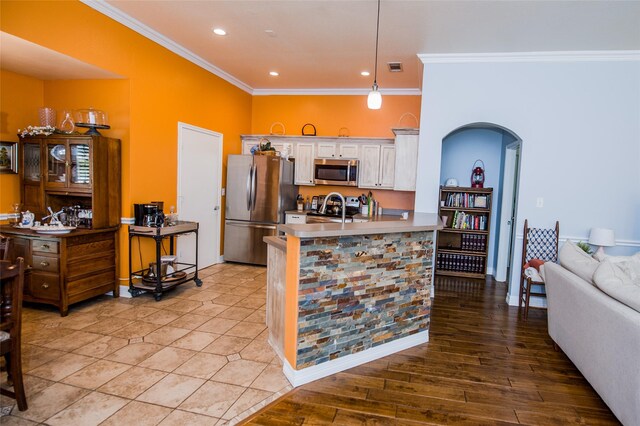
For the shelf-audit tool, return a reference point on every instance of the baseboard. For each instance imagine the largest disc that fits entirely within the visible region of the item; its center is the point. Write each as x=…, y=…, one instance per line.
x=309, y=374
x=534, y=302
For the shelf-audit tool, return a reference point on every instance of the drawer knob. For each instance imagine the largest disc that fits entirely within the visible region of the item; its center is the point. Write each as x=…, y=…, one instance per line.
x=45, y=286
x=45, y=246
x=43, y=263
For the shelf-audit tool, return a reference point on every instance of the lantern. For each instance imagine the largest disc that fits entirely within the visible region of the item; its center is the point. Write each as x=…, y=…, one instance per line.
x=477, y=175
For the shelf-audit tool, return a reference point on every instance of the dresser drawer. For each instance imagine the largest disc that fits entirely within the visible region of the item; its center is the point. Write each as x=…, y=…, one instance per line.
x=44, y=246
x=45, y=264
x=44, y=286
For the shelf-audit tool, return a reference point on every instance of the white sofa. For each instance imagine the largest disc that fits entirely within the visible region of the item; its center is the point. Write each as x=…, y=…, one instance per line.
x=600, y=335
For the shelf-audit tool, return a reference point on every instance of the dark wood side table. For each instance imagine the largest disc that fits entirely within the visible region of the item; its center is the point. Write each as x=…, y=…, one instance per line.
x=155, y=281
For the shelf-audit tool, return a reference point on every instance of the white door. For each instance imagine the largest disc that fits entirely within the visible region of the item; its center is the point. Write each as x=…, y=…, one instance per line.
x=509, y=193
x=199, y=178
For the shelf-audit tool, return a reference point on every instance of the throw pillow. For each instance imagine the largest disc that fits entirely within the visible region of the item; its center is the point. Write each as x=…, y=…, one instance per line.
x=613, y=279
x=576, y=260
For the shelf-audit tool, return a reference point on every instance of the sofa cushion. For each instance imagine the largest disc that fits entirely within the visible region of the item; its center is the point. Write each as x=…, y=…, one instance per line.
x=620, y=280
x=577, y=261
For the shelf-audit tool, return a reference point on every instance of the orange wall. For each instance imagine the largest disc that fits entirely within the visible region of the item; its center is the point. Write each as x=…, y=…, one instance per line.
x=329, y=114
x=20, y=98
x=163, y=89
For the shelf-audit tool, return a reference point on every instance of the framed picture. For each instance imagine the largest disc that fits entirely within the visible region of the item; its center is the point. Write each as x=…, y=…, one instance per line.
x=8, y=157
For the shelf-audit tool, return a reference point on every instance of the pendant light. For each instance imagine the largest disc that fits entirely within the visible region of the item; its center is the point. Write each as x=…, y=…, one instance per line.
x=374, y=100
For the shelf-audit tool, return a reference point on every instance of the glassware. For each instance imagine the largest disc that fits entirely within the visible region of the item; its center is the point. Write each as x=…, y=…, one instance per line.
x=66, y=124
x=16, y=213
x=47, y=116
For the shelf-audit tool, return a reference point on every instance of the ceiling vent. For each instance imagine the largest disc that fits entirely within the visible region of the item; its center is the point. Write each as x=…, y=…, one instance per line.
x=394, y=66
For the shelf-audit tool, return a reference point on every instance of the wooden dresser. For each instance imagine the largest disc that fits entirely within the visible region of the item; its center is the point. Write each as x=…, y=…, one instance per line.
x=65, y=269
x=61, y=171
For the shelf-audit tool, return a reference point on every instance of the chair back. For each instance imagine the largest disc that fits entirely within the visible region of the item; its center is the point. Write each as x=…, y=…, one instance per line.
x=5, y=247
x=540, y=243
x=11, y=286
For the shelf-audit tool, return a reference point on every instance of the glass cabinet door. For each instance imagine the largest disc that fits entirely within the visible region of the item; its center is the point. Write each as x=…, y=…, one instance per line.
x=31, y=162
x=80, y=169
x=56, y=164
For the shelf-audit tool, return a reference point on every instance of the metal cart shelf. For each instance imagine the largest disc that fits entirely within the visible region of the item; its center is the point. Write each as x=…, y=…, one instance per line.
x=160, y=283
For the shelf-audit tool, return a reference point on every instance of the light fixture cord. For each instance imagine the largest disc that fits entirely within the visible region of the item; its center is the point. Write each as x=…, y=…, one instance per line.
x=375, y=75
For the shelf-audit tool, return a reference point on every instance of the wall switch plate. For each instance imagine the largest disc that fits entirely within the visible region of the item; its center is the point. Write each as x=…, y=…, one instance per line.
x=539, y=202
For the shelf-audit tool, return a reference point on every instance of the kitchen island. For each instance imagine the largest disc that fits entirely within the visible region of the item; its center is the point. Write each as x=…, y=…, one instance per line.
x=343, y=294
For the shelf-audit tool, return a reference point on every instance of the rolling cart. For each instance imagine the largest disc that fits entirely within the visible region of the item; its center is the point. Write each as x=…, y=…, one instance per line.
x=152, y=279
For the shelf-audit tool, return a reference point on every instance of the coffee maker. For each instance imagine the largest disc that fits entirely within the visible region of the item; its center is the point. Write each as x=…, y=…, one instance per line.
x=150, y=214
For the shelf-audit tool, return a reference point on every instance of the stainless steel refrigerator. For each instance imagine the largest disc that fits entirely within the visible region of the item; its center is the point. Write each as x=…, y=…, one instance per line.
x=259, y=190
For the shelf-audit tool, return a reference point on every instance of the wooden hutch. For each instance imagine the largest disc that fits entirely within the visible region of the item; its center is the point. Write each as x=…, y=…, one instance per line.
x=69, y=170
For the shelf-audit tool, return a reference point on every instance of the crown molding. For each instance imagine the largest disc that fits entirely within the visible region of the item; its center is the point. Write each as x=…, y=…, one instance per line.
x=338, y=92
x=559, y=56
x=137, y=26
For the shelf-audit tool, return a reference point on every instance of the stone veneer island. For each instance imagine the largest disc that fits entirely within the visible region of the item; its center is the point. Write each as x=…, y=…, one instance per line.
x=341, y=295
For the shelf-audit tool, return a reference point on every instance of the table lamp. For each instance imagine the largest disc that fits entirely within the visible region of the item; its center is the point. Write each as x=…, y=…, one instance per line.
x=603, y=238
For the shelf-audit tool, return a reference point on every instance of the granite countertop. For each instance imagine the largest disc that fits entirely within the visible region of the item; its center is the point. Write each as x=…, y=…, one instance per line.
x=390, y=224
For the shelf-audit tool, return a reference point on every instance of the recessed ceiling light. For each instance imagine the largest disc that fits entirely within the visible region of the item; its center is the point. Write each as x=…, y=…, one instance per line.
x=274, y=73
x=365, y=73
x=219, y=31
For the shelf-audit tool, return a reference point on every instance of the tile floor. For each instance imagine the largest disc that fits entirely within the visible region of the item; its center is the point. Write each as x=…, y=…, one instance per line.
x=199, y=356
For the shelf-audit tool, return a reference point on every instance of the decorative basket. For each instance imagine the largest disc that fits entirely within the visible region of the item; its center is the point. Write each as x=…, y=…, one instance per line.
x=274, y=132
x=271, y=153
x=343, y=132
x=408, y=114
x=308, y=134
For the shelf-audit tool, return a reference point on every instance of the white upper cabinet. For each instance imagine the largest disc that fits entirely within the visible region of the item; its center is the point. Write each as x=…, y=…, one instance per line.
x=347, y=151
x=377, y=164
x=326, y=150
x=304, y=154
x=406, y=159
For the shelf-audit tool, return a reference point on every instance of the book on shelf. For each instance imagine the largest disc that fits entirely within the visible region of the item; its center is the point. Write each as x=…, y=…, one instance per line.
x=466, y=200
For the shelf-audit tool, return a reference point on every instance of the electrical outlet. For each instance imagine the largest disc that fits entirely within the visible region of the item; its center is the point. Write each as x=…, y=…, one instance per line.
x=223, y=192
x=539, y=202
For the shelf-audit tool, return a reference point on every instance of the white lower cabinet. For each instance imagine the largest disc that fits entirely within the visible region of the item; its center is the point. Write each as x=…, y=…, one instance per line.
x=292, y=218
x=377, y=166
x=304, y=164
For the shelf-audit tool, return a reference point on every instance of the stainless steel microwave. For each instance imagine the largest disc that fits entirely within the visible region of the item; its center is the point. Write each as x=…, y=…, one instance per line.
x=335, y=172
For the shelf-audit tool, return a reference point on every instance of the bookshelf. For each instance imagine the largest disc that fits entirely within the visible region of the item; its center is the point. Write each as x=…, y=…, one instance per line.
x=463, y=243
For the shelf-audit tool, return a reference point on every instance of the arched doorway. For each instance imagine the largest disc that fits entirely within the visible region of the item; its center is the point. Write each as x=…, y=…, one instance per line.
x=499, y=149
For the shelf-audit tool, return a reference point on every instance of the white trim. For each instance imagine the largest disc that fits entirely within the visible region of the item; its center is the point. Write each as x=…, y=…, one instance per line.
x=127, y=220
x=309, y=374
x=559, y=56
x=124, y=290
x=119, y=16
x=357, y=92
x=563, y=238
x=534, y=301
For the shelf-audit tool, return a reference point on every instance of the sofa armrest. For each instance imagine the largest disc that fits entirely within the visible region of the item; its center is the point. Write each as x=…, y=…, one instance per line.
x=600, y=335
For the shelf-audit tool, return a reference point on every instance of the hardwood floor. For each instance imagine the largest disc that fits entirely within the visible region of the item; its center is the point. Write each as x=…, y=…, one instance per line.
x=483, y=365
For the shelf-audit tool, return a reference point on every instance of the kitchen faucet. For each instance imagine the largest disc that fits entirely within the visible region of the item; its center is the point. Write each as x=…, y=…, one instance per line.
x=323, y=208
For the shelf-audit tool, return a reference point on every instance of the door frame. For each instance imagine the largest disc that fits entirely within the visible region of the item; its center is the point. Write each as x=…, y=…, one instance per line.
x=218, y=191
x=510, y=184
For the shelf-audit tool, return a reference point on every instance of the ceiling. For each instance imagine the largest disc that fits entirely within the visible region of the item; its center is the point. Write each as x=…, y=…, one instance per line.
x=323, y=45
x=23, y=57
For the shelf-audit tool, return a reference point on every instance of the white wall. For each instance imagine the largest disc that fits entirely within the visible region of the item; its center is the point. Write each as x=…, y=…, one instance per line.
x=580, y=127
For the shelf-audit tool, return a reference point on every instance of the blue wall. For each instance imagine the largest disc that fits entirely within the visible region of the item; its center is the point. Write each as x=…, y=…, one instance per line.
x=459, y=151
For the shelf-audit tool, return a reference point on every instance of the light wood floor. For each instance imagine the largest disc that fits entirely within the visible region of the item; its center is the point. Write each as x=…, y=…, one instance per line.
x=483, y=365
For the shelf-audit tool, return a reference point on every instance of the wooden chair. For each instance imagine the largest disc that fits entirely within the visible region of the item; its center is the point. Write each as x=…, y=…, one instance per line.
x=11, y=283
x=538, y=243
x=5, y=247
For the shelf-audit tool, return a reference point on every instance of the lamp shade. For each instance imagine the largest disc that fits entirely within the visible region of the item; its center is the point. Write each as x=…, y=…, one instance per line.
x=374, y=100
x=602, y=237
